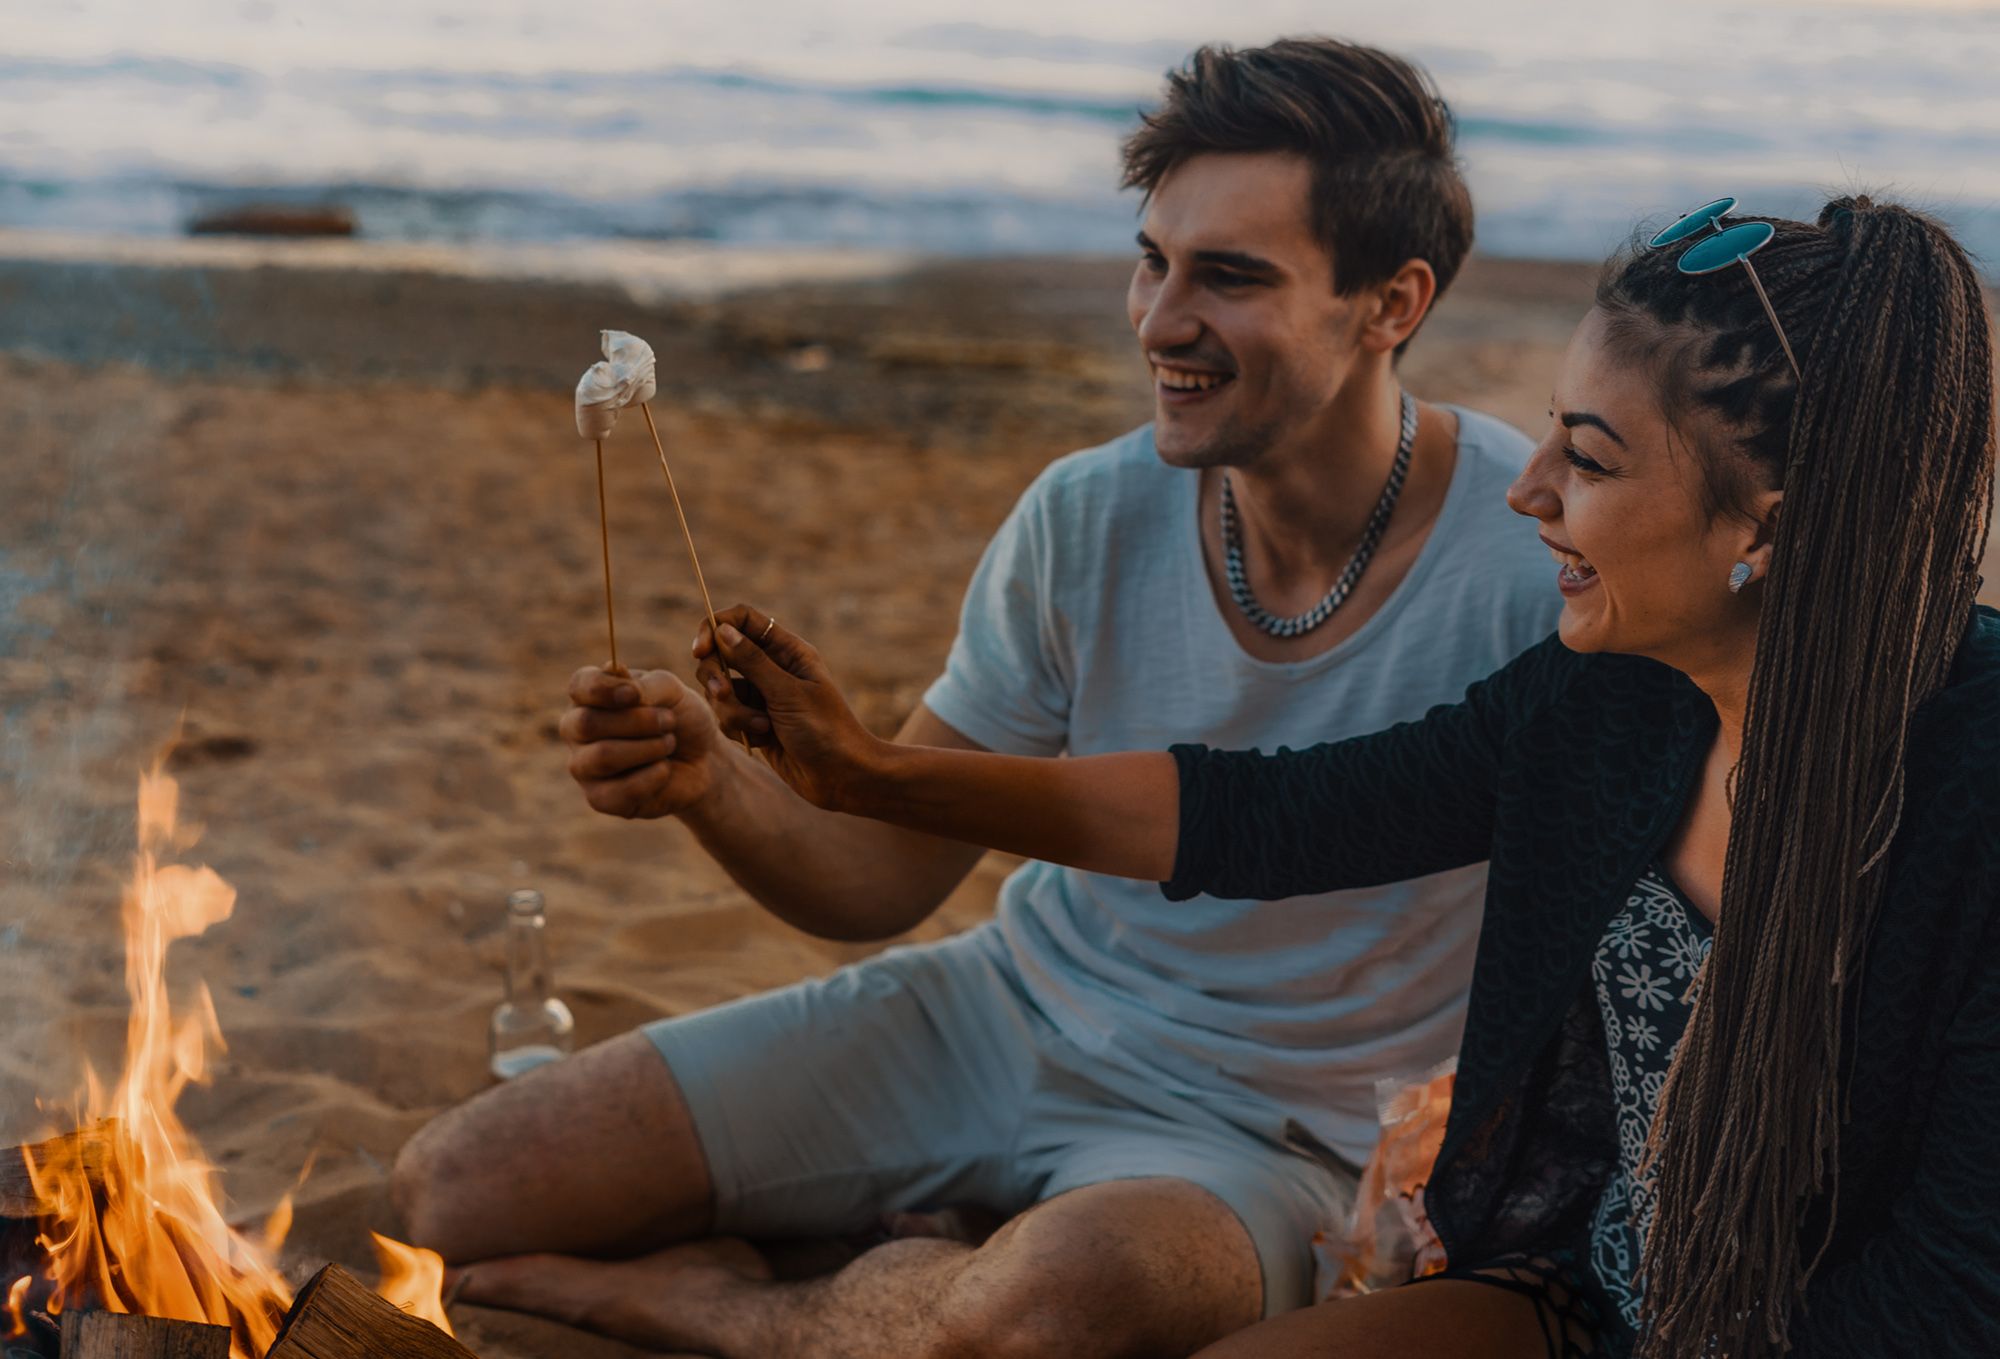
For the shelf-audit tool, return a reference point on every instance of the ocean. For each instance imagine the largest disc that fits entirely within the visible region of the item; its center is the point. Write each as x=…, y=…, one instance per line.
x=918, y=125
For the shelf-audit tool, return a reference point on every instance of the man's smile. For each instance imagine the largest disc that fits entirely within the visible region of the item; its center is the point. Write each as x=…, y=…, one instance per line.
x=1184, y=386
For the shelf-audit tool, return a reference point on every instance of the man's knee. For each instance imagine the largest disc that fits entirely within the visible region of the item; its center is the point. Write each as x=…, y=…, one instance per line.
x=430, y=1173
x=1134, y=1268
x=593, y=1152
x=1003, y=1326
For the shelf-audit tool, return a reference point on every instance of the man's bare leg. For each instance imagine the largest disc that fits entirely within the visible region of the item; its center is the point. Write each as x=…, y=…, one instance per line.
x=1133, y=1267
x=594, y=1154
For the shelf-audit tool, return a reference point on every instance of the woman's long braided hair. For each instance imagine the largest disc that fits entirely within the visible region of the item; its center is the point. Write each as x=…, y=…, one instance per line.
x=1884, y=452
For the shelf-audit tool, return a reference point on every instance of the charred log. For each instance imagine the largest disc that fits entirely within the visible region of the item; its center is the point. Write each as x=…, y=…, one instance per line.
x=335, y=1316
x=117, y=1335
x=17, y=1191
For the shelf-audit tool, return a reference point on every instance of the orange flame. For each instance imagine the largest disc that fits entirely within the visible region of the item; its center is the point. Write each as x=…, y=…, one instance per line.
x=16, y=1296
x=128, y=1208
x=413, y=1279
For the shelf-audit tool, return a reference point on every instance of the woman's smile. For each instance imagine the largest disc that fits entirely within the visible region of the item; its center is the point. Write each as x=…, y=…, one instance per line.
x=1574, y=575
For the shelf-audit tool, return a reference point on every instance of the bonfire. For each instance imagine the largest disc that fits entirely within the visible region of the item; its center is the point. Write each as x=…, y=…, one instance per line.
x=124, y=1210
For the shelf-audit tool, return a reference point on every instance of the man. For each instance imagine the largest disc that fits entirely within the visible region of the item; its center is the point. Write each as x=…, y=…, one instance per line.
x=1167, y=1101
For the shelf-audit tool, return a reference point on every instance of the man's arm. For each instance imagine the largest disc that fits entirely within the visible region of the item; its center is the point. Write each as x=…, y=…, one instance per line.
x=831, y=875
x=836, y=876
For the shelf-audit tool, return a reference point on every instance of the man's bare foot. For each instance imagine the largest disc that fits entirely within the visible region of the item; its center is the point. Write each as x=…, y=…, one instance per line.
x=817, y=1257
x=638, y=1301
x=966, y=1224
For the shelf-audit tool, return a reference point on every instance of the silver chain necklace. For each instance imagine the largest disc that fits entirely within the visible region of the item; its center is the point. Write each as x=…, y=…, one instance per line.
x=1300, y=624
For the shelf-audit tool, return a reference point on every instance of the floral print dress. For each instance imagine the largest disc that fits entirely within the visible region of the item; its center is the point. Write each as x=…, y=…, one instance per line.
x=1644, y=974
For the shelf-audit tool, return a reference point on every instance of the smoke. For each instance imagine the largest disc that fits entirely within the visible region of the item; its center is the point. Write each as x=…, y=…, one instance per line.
x=77, y=559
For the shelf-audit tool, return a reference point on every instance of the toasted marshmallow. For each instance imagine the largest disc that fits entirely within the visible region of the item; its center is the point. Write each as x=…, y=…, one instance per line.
x=632, y=357
x=598, y=397
x=623, y=376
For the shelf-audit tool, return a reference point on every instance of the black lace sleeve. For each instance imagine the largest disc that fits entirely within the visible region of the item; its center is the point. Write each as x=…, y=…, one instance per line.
x=1413, y=799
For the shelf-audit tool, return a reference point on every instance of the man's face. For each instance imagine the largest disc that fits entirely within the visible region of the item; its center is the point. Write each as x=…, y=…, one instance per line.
x=1233, y=303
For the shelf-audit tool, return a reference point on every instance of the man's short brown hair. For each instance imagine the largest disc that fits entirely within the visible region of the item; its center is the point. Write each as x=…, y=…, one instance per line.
x=1386, y=186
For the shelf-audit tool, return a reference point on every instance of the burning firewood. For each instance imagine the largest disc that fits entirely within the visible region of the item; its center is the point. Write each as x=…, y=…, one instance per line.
x=17, y=1192
x=119, y=1335
x=337, y=1317
x=125, y=1215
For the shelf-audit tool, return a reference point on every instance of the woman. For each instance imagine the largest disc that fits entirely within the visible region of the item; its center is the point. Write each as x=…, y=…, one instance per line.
x=1769, y=727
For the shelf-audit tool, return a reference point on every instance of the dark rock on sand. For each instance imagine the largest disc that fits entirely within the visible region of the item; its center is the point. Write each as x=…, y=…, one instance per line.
x=270, y=219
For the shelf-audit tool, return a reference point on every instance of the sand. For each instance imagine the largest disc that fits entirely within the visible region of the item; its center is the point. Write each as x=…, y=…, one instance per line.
x=336, y=524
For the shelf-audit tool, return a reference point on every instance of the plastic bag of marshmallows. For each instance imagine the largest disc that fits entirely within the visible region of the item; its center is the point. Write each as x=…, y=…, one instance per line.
x=1389, y=1239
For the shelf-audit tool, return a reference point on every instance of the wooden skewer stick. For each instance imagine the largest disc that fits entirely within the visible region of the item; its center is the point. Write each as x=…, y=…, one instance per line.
x=681, y=514
x=604, y=533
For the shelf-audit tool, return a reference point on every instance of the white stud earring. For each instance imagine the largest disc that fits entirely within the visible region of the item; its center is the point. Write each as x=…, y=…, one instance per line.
x=1739, y=576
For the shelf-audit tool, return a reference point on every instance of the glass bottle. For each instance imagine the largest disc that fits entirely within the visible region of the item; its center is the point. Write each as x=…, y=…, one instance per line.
x=531, y=1026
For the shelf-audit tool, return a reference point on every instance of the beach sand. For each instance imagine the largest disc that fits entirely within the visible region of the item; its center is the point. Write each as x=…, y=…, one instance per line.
x=337, y=524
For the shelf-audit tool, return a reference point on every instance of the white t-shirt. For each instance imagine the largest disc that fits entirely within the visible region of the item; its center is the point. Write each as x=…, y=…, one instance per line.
x=1090, y=627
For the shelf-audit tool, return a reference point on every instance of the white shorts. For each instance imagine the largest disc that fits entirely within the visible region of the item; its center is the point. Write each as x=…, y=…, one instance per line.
x=926, y=1078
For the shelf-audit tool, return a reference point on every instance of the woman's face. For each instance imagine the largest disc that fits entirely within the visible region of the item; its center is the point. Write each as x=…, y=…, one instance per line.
x=1642, y=565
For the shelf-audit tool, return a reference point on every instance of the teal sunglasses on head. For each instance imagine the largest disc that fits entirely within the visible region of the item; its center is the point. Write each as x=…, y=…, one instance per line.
x=1729, y=245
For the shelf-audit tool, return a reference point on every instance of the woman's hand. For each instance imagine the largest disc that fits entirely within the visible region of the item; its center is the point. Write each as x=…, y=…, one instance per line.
x=787, y=705
x=1102, y=813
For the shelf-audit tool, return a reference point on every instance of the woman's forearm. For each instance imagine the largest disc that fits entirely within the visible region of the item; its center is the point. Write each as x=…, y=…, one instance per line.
x=1116, y=814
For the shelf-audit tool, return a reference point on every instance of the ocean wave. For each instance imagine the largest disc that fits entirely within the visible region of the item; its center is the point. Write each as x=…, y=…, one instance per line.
x=904, y=128
x=1517, y=218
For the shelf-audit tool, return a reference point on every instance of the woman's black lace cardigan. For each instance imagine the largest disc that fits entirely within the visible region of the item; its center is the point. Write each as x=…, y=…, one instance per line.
x=1568, y=773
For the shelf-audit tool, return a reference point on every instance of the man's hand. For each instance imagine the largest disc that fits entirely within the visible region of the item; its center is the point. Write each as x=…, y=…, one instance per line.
x=640, y=746
x=790, y=707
